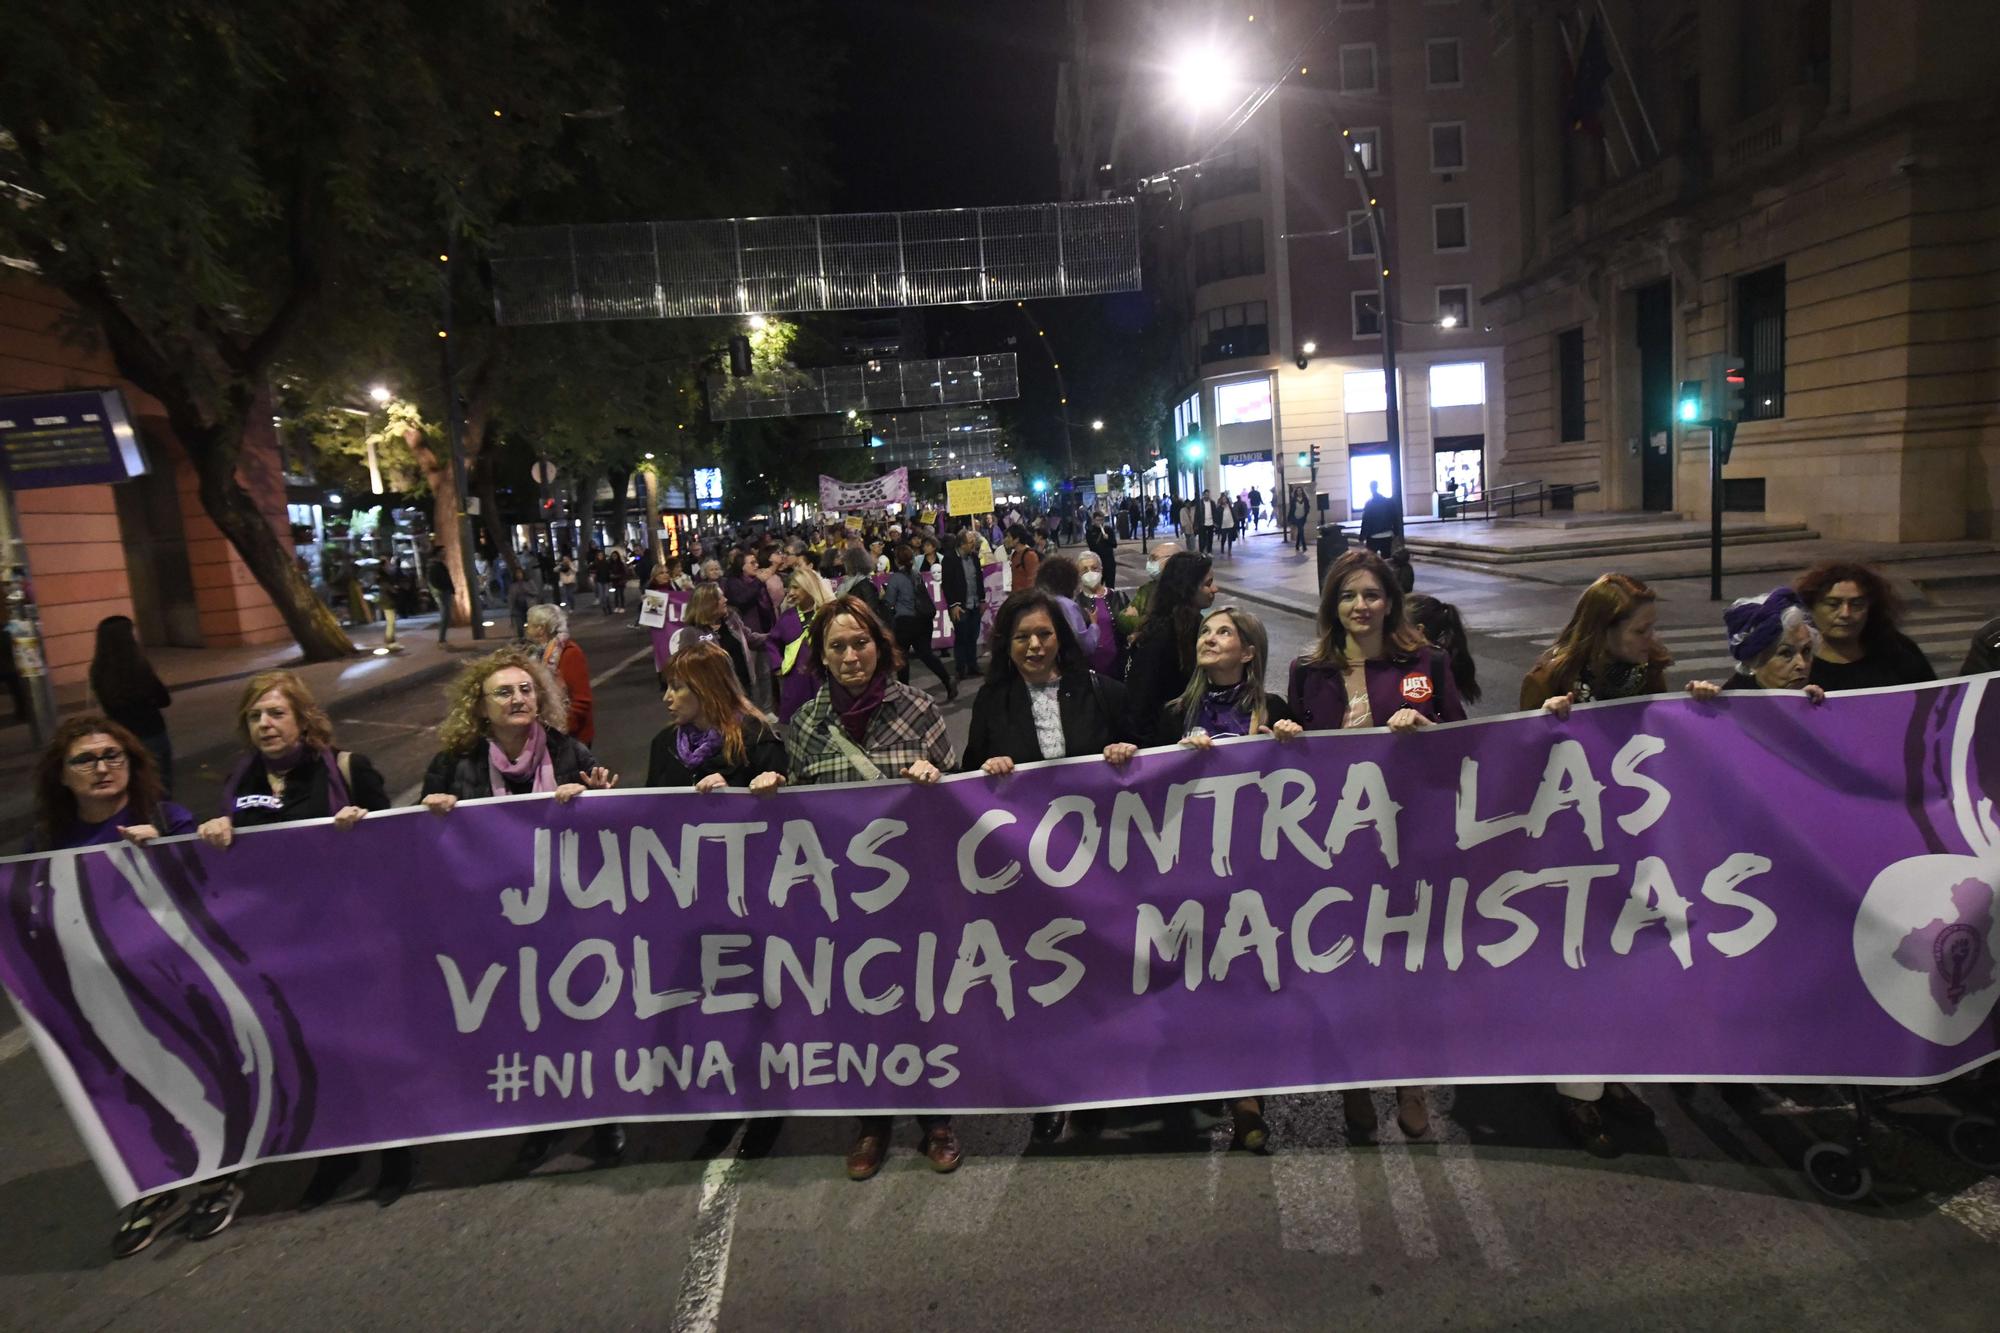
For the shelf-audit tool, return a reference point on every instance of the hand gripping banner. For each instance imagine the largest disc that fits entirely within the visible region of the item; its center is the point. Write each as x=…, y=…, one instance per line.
x=1753, y=889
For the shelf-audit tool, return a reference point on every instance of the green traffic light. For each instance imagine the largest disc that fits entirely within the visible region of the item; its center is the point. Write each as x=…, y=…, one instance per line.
x=1192, y=450
x=1304, y=458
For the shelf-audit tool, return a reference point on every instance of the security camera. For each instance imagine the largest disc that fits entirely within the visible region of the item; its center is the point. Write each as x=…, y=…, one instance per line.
x=1303, y=361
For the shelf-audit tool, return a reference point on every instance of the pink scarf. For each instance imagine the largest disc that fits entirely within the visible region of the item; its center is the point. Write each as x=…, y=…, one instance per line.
x=534, y=759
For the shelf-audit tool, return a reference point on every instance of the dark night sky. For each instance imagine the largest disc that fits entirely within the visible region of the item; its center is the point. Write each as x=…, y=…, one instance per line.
x=949, y=103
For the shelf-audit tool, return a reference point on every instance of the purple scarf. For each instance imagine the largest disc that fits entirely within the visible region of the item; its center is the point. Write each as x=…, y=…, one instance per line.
x=696, y=748
x=533, y=762
x=856, y=710
x=1221, y=711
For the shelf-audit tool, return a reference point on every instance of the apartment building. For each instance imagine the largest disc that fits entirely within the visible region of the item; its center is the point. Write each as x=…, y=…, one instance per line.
x=1265, y=249
x=1807, y=184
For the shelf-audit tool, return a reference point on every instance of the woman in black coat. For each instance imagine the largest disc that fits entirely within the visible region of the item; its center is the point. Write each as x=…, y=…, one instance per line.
x=716, y=737
x=1042, y=701
x=1162, y=654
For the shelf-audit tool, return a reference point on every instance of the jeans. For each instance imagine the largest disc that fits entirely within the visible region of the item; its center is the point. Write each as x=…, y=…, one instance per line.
x=965, y=642
x=444, y=615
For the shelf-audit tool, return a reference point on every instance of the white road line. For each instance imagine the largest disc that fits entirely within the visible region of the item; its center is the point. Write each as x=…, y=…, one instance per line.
x=964, y=1202
x=1406, y=1192
x=1219, y=1138
x=1977, y=1210
x=13, y=1044
x=698, y=1304
x=1468, y=1182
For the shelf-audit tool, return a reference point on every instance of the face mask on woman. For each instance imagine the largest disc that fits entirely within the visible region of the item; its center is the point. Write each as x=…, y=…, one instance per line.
x=1092, y=578
x=1152, y=569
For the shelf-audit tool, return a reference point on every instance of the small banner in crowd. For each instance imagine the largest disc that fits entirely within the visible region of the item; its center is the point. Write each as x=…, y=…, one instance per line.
x=1755, y=888
x=844, y=496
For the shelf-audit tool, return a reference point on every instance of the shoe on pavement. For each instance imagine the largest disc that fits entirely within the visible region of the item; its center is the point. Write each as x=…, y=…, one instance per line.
x=534, y=1151
x=1413, y=1114
x=941, y=1148
x=399, y=1170
x=1048, y=1125
x=1251, y=1132
x=1582, y=1122
x=607, y=1145
x=146, y=1221
x=214, y=1209
x=1624, y=1104
x=328, y=1176
x=1359, y=1106
x=871, y=1146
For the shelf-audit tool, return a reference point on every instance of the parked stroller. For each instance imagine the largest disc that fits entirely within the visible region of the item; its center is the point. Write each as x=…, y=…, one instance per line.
x=1844, y=1168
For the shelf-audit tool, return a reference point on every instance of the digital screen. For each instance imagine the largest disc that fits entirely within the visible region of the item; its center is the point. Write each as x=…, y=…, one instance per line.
x=71, y=438
x=708, y=488
x=1245, y=400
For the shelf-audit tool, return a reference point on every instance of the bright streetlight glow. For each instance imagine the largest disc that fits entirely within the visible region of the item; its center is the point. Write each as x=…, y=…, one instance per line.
x=1097, y=423
x=333, y=497
x=380, y=393
x=649, y=458
x=1309, y=347
x=1040, y=485
x=1448, y=322
x=758, y=322
x=1202, y=77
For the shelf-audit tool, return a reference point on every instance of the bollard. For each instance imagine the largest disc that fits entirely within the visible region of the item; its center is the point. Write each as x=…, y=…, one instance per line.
x=1331, y=544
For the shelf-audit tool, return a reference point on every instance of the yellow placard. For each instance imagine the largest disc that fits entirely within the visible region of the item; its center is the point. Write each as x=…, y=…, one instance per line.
x=971, y=495
x=927, y=516
x=854, y=523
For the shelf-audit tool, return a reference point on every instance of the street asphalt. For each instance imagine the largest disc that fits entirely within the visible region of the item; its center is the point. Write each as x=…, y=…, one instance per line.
x=1494, y=1222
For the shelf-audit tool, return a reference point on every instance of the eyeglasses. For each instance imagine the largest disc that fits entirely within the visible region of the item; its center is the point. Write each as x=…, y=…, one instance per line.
x=507, y=692
x=88, y=760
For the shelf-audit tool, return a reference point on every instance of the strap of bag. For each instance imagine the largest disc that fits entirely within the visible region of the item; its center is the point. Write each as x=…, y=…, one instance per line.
x=854, y=753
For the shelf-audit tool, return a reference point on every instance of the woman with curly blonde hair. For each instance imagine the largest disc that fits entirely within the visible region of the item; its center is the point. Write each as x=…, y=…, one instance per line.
x=503, y=736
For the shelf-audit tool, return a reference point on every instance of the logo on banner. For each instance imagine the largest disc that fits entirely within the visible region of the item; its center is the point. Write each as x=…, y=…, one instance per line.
x=1416, y=688
x=1926, y=943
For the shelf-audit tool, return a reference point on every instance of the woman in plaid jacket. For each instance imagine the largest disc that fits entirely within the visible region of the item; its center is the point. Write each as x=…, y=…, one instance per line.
x=864, y=725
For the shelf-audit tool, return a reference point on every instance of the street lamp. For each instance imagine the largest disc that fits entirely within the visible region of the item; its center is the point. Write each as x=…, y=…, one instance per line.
x=1448, y=322
x=1202, y=76
x=758, y=323
x=1097, y=423
x=1308, y=347
x=1040, y=485
x=380, y=393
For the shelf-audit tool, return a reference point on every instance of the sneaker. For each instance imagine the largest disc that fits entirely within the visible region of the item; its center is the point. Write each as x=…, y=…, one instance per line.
x=146, y=1221
x=1048, y=1125
x=1251, y=1132
x=214, y=1210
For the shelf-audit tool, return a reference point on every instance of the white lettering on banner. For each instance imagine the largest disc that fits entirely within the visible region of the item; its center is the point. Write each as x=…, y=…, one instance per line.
x=659, y=972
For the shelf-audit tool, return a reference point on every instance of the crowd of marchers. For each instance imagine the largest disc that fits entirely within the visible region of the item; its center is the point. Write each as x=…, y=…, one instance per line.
x=792, y=666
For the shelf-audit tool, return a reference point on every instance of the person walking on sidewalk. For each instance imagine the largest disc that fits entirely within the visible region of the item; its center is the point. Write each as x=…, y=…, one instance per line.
x=439, y=577
x=1226, y=519
x=291, y=772
x=1297, y=515
x=1381, y=521
x=130, y=693
x=1256, y=506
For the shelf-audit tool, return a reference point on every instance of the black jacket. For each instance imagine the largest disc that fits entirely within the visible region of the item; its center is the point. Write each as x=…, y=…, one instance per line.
x=1153, y=673
x=1984, y=654
x=1003, y=721
x=955, y=589
x=766, y=754
x=305, y=792
x=463, y=773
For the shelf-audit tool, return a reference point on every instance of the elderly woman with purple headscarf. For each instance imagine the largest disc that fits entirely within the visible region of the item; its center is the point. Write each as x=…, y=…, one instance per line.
x=1773, y=640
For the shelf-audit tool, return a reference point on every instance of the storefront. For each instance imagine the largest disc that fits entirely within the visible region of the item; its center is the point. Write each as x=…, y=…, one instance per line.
x=1243, y=472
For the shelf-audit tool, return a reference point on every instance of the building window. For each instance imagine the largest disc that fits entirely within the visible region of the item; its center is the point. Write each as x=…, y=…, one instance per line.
x=1232, y=251
x=1233, y=174
x=1357, y=68
x=1367, y=314
x=1760, y=341
x=1569, y=384
x=1441, y=63
x=1455, y=305
x=1448, y=146
x=1458, y=384
x=1235, y=330
x=1360, y=234
x=1368, y=143
x=1365, y=391
x=1450, y=229
x=1243, y=400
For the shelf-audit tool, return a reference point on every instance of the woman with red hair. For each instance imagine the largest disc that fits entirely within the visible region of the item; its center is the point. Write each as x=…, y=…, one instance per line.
x=715, y=737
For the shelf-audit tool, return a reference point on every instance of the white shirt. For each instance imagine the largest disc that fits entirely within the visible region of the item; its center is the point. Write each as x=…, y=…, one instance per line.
x=1048, y=719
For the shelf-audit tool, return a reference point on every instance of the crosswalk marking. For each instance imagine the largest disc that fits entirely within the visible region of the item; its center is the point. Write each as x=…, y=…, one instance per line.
x=1468, y=1182
x=1406, y=1192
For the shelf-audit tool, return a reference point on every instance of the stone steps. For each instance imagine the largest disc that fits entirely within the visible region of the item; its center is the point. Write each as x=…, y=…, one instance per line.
x=1482, y=555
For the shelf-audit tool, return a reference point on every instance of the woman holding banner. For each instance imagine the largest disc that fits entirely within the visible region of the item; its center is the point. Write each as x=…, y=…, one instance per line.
x=1371, y=667
x=864, y=725
x=1225, y=696
x=1609, y=650
x=788, y=649
x=1163, y=650
x=290, y=772
x=1772, y=639
x=716, y=737
x=503, y=736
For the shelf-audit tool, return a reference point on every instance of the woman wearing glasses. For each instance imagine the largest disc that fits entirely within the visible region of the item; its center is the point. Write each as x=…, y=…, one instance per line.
x=503, y=736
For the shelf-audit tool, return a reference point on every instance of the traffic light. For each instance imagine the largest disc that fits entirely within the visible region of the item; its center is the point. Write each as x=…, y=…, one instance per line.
x=1727, y=386
x=1305, y=459
x=1193, y=450
x=1315, y=455
x=1688, y=403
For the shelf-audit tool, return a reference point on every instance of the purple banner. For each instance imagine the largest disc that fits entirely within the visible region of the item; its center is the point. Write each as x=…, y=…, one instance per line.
x=1753, y=889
